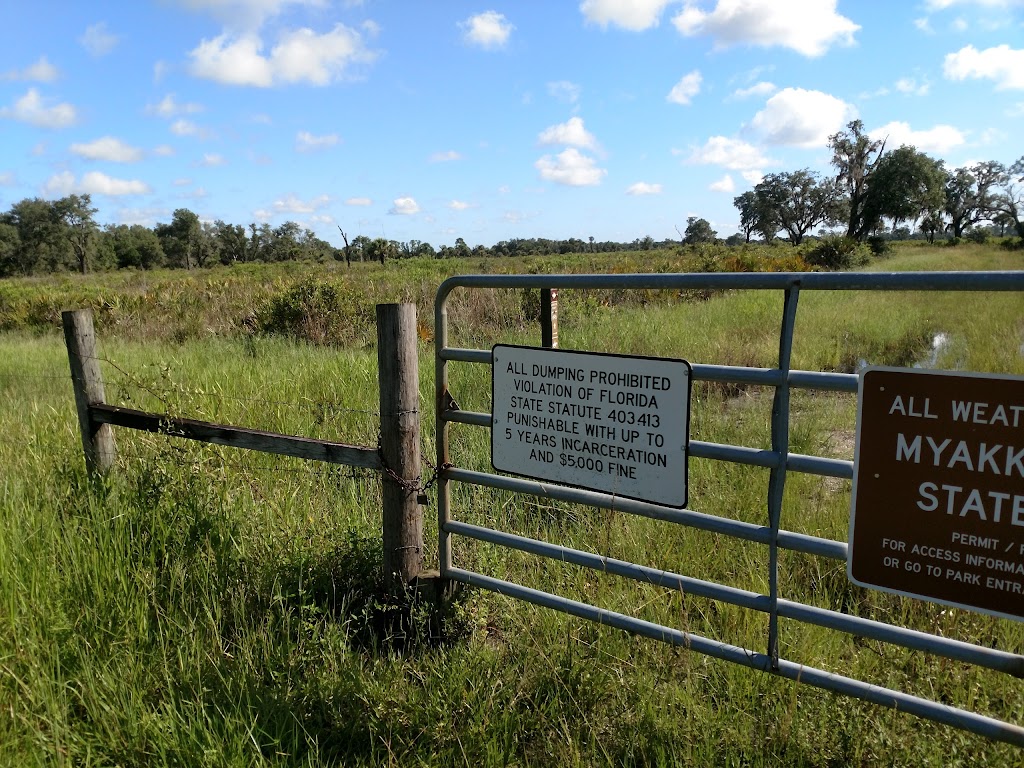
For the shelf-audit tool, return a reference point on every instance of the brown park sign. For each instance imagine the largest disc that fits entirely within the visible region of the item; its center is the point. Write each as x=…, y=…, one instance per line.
x=938, y=488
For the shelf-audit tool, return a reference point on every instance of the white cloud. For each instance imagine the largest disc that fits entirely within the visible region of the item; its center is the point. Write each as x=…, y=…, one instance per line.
x=801, y=118
x=940, y=139
x=643, y=188
x=564, y=90
x=292, y=204
x=634, y=15
x=182, y=182
x=42, y=71
x=108, y=148
x=924, y=24
x=910, y=86
x=183, y=127
x=1003, y=64
x=487, y=30
x=687, y=87
x=570, y=133
x=248, y=14
x=363, y=201
x=168, y=107
x=734, y=154
x=98, y=40
x=724, y=184
x=762, y=88
x=31, y=109
x=212, y=160
x=6, y=179
x=809, y=27
x=307, y=142
x=459, y=205
x=300, y=55
x=163, y=150
x=93, y=183
x=570, y=167
x=404, y=206
x=753, y=178
x=445, y=157
x=96, y=183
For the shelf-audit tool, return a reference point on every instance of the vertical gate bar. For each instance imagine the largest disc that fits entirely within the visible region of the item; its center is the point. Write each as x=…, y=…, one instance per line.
x=777, y=479
x=444, y=541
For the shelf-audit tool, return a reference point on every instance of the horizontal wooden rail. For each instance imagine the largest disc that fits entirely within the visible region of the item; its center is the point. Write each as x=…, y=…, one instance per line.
x=238, y=437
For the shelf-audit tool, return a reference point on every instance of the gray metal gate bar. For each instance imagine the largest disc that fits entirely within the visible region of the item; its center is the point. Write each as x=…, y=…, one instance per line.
x=777, y=459
x=822, y=617
x=904, y=702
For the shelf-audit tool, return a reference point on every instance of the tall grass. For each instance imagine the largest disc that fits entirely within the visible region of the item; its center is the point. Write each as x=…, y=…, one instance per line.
x=207, y=607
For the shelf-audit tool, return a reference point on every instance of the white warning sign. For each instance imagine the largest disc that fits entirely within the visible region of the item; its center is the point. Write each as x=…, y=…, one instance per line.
x=612, y=423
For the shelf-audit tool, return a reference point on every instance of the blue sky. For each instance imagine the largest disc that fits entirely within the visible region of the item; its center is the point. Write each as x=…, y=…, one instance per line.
x=615, y=119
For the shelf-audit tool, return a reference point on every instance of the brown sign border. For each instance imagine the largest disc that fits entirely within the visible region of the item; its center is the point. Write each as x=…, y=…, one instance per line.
x=858, y=464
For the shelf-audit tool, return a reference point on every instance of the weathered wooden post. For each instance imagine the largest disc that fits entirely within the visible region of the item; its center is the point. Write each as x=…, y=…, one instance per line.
x=97, y=439
x=398, y=364
x=549, y=318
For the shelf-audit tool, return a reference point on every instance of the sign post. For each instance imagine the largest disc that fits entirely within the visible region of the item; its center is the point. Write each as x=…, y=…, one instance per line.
x=609, y=423
x=938, y=488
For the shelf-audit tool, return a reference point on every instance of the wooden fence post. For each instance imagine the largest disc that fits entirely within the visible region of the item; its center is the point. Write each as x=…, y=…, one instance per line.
x=97, y=439
x=549, y=318
x=397, y=362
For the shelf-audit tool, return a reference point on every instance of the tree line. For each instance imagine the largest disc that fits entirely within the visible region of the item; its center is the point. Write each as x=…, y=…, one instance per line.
x=41, y=236
x=876, y=191
x=873, y=191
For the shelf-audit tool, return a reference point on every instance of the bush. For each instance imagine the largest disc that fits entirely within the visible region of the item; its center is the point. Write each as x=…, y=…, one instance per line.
x=976, y=235
x=313, y=311
x=879, y=246
x=837, y=252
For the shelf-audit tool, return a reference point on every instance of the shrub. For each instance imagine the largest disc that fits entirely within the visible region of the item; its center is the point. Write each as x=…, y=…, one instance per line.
x=976, y=235
x=879, y=246
x=312, y=310
x=836, y=252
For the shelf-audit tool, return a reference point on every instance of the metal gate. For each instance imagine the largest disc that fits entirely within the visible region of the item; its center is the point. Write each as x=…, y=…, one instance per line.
x=779, y=460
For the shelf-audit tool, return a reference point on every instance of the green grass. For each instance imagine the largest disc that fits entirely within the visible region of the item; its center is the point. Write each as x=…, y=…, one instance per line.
x=209, y=607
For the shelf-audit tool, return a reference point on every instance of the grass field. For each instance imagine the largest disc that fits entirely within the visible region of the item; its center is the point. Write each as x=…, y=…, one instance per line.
x=208, y=607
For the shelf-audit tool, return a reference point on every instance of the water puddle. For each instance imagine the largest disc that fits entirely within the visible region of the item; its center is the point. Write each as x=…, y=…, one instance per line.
x=940, y=341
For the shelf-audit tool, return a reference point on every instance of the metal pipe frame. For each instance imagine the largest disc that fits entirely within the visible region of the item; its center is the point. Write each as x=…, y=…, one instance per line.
x=778, y=460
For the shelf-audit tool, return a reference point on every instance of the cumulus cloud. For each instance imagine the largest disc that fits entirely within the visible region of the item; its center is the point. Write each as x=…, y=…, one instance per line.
x=32, y=109
x=724, y=184
x=762, y=88
x=643, y=188
x=1003, y=64
x=734, y=154
x=571, y=133
x=42, y=71
x=300, y=56
x=292, y=204
x=940, y=139
x=634, y=15
x=168, y=107
x=570, y=167
x=445, y=157
x=212, y=160
x=307, y=142
x=247, y=14
x=801, y=118
x=488, y=30
x=687, y=87
x=6, y=179
x=564, y=90
x=361, y=201
x=753, y=178
x=98, y=40
x=183, y=127
x=459, y=205
x=910, y=86
x=108, y=148
x=404, y=206
x=93, y=183
x=809, y=27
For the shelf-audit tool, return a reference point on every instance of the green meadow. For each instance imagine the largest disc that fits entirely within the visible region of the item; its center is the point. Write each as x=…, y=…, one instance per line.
x=204, y=606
